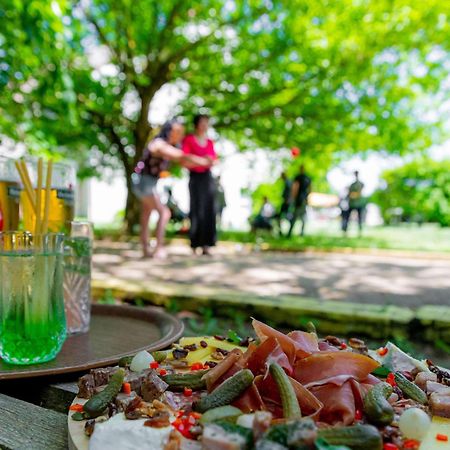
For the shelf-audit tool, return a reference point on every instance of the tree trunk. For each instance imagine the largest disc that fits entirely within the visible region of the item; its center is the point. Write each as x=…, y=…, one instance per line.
x=141, y=134
x=132, y=207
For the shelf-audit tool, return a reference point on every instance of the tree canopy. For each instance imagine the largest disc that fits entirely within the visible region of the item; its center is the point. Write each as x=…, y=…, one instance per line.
x=78, y=78
x=418, y=191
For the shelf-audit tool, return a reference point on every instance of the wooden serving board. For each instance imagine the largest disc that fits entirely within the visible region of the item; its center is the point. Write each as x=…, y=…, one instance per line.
x=115, y=331
x=77, y=438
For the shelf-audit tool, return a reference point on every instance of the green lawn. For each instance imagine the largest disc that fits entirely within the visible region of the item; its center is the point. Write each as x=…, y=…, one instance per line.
x=328, y=236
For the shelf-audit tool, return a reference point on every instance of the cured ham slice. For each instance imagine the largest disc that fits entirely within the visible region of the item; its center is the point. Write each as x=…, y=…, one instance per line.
x=297, y=344
x=307, y=342
x=333, y=367
x=218, y=372
x=309, y=404
x=250, y=401
x=267, y=352
x=338, y=403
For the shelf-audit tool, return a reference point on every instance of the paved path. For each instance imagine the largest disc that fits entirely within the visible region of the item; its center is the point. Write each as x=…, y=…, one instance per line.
x=334, y=276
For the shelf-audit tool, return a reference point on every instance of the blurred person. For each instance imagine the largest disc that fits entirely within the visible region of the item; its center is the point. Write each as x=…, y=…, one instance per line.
x=221, y=202
x=265, y=216
x=285, y=199
x=202, y=188
x=155, y=160
x=176, y=213
x=301, y=187
x=356, y=202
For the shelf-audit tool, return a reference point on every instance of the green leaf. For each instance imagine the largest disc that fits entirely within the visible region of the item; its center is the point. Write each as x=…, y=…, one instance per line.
x=381, y=371
x=234, y=337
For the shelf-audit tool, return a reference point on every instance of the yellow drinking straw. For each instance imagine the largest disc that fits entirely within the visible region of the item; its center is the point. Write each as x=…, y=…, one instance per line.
x=28, y=179
x=48, y=187
x=41, y=223
x=26, y=185
x=37, y=225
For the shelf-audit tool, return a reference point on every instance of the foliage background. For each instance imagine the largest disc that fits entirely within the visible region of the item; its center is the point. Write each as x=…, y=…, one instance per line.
x=420, y=190
x=78, y=78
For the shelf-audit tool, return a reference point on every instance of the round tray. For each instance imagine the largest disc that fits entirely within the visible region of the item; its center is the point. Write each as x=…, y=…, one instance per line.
x=115, y=331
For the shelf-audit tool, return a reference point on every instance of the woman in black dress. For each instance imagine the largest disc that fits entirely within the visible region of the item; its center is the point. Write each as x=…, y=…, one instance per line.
x=202, y=188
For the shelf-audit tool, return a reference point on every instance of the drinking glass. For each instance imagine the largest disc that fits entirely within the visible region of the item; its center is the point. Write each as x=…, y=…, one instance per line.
x=77, y=276
x=62, y=198
x=32, y=320
x=9, y=195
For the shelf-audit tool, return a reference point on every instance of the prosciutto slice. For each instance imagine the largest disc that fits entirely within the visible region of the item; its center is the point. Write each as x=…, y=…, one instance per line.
x=309, y=404
x=333, y=368
x=250, y=401
x=219, y=372
x=267, y=352
x=338, y=403
x=297, y=344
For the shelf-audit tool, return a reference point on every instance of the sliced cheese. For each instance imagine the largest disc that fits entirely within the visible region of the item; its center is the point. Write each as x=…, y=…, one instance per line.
x=439, y=425
x=203, y=354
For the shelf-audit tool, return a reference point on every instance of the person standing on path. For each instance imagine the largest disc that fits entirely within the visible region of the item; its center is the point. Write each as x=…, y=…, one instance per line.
x=202, y=188
x=285, y=199
x=300, y=191
x=221, y=202
x=356, y=203
x=155, y=159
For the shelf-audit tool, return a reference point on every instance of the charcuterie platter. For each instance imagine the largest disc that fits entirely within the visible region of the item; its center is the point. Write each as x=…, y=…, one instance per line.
x=273, y=392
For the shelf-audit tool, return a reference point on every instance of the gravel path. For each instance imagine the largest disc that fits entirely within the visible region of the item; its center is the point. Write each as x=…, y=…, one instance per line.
x=332, y=276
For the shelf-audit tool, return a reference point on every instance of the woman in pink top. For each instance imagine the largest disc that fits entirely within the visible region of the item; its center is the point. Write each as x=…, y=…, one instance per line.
x=201, y=187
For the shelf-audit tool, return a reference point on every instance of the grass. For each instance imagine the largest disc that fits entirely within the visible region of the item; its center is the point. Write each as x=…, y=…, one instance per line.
x=327, y=236
x=427, y=238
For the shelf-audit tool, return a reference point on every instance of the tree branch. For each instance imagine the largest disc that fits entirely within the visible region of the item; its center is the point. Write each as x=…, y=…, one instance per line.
x=170, y=20
x=124, y=66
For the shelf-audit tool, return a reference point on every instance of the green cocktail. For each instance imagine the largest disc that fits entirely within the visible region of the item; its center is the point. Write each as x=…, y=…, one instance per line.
x=32, y=320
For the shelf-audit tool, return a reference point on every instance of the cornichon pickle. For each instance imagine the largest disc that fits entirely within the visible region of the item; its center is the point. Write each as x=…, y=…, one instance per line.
x=192, y=380
x=378, y=410
x=291, y=408
x=125, y=361
x=410, y=389
x=159, y=356
x=95, y=406
x=226, y=392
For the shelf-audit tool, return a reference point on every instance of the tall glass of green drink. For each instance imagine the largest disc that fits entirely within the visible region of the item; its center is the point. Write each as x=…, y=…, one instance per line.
x=32, y=320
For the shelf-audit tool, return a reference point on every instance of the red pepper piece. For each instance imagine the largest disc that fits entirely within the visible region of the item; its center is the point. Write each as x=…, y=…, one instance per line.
x=187, y=392
x=411, y=443
x=76, y=407
x=390, y=379
x=162, y=372
x=389, y=446
x=382, y=351
x=154, y=365
x=126, y=388
x=441, y=437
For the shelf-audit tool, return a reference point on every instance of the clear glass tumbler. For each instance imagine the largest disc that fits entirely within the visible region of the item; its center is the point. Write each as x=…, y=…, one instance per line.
x=62, y=198
x=9, y=195
x=32, y=320
x=77, y=277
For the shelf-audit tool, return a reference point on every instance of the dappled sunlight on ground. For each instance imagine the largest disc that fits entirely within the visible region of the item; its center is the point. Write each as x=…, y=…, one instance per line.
x=360, y=278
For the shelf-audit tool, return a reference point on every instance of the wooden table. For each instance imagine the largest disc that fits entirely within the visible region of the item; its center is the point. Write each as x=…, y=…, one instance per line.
x=33, y=412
